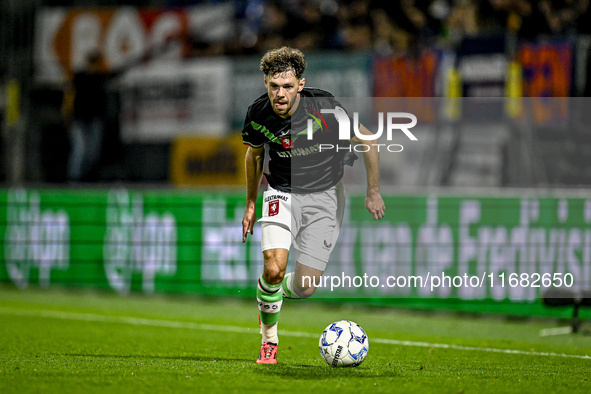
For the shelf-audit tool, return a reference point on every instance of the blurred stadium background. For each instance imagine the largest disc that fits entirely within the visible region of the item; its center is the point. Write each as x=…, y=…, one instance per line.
x=160, y=213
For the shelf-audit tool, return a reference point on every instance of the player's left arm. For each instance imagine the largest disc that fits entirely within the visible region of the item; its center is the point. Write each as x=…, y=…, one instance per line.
x=371, y=158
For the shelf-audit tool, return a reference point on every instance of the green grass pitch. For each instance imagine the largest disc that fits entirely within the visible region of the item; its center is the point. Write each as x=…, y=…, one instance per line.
x=83, y=342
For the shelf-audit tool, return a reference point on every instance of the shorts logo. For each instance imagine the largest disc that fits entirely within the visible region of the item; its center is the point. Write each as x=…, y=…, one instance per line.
x=273, y=207
x=287, y=143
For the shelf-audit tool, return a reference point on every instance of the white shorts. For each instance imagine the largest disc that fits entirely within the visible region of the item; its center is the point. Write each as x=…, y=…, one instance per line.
x=310, y=222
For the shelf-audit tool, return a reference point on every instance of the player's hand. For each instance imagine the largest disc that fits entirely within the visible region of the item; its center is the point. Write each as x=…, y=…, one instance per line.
x=250, y=218
x=375, y=205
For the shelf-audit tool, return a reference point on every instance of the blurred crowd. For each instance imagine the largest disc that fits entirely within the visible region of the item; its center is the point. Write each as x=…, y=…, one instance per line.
x=390, y=26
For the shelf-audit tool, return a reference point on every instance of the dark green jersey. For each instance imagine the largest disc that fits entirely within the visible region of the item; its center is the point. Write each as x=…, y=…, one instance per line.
x=298, y=164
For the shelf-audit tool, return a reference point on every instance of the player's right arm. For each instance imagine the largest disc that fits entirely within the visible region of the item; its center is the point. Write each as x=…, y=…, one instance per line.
x=253, y=164
x=254, y=160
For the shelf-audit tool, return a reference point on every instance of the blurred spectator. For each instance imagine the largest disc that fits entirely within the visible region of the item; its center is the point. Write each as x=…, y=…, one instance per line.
x=389, y=27
x=316, y=25
x=539, y=19
x=274, y=27
x=504, y=14
x=583, y=17
x=355, y=25
x=408, y=25
x=302, y=24
x=531, y=19
x=388, y=38
x=84, y=109
x=462, y=20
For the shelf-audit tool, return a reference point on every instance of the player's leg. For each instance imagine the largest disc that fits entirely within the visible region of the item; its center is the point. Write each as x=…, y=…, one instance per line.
x=302, y=282
x=315, y=240
x=275, y=240
x=269, y=296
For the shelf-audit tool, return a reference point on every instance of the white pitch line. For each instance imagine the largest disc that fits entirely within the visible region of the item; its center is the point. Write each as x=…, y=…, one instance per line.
x=139, y=321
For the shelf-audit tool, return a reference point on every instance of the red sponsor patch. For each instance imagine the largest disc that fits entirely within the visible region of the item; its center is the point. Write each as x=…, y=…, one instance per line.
x=287, y=143
x=273, y=207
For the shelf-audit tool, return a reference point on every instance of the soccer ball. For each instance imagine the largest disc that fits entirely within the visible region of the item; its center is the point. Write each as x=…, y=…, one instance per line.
x=343, y=344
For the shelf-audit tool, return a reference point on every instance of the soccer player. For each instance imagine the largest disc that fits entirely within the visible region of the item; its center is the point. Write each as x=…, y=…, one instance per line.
x=304, y=203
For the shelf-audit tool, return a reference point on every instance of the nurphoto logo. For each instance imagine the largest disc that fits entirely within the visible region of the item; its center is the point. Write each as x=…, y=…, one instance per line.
x=345, y=126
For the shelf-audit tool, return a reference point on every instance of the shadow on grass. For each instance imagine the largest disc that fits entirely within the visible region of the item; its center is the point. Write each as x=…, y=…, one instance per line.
x=152, y=356
x=303, y=371
x=284, y=370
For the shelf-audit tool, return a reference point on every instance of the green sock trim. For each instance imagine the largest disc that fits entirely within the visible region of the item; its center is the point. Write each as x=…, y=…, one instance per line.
x=267, y=286
x=287, y=285
x=272, y=300
x=269, y=319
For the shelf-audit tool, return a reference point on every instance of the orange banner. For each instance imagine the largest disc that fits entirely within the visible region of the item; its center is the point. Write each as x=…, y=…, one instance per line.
x=122, y=35
x=547, y=69
x=547, y=72
x=403, y=76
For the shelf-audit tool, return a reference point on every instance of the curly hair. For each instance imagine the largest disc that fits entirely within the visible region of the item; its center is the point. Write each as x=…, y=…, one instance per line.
x=280, y=60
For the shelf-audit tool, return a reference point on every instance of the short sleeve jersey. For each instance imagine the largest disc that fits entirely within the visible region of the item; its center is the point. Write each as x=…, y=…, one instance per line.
x=296, y=163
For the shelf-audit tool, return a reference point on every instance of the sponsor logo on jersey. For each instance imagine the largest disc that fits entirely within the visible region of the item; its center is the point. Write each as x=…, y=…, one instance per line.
x=287, y=142
x=299, y=151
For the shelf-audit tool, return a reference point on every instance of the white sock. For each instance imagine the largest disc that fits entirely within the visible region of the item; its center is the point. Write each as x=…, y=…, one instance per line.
x=270, y=333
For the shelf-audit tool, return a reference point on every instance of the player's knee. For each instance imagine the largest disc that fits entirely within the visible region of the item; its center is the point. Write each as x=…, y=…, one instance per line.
x=274, y=269
x=273, y=272
x=273, y=275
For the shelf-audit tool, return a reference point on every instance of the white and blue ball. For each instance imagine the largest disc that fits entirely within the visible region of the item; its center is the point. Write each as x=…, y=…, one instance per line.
x=343, y=344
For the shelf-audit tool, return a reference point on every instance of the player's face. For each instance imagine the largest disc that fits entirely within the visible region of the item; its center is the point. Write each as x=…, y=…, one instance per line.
x=283, y=90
